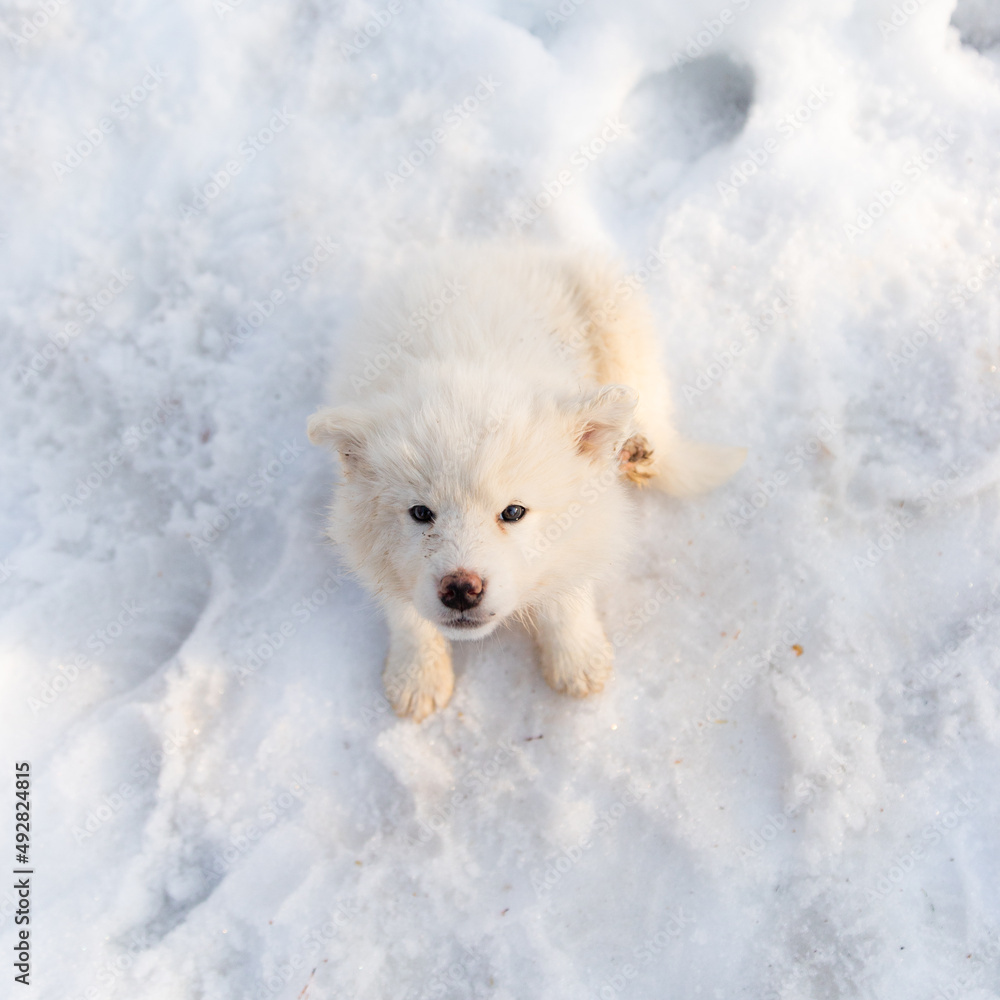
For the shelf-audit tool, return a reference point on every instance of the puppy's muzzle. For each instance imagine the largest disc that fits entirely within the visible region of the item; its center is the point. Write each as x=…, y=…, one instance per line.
x=461, y=590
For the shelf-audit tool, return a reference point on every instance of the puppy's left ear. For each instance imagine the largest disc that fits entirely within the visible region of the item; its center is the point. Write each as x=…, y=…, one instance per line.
x=604, y=422
x=343, y=428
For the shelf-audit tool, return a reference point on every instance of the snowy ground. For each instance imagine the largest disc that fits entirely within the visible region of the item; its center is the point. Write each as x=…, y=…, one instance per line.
x=788, y=790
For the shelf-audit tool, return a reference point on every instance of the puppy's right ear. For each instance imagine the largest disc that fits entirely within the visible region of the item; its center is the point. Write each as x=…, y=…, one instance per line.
x=344, y=429
x=604, y=419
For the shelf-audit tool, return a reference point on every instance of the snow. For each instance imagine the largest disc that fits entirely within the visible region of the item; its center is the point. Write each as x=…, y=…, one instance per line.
x=788, y=790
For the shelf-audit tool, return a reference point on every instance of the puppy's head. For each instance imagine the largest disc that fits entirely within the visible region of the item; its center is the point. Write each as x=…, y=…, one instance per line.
x=474, y=501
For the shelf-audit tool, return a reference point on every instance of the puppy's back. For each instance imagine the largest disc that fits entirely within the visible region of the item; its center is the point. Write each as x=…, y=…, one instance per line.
x=515, y=310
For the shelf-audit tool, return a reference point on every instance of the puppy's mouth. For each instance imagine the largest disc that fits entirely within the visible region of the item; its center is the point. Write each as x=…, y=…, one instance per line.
x=466, y=626
x=465, y=623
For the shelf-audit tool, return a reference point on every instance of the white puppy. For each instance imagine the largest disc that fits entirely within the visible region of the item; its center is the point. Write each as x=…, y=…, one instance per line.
x=501, y=398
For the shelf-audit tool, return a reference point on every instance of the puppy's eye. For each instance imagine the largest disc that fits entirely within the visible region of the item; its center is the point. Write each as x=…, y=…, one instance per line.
x=422, y=514
x=512, y=513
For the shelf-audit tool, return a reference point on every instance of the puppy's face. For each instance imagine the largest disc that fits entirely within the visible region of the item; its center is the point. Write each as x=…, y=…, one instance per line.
x=471, y=503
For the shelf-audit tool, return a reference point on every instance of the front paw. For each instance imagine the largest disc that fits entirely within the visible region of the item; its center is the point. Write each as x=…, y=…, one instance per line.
x=419, y=683
x=577, y=668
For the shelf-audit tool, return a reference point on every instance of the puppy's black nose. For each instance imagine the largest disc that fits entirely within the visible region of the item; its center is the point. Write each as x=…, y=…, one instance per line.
x=461, y=590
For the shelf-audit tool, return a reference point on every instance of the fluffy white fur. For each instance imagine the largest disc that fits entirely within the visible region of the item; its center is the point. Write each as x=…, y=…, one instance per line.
x=489, y=377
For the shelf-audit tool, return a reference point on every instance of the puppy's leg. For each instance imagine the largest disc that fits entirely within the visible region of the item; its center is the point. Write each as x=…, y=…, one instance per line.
x=418, y=677
x=576, y=655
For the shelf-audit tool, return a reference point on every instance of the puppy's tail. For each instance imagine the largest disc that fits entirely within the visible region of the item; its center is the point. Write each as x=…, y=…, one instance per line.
x=684, y=468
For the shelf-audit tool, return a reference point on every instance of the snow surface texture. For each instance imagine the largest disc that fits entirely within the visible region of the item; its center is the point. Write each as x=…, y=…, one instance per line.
x=789, y=790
